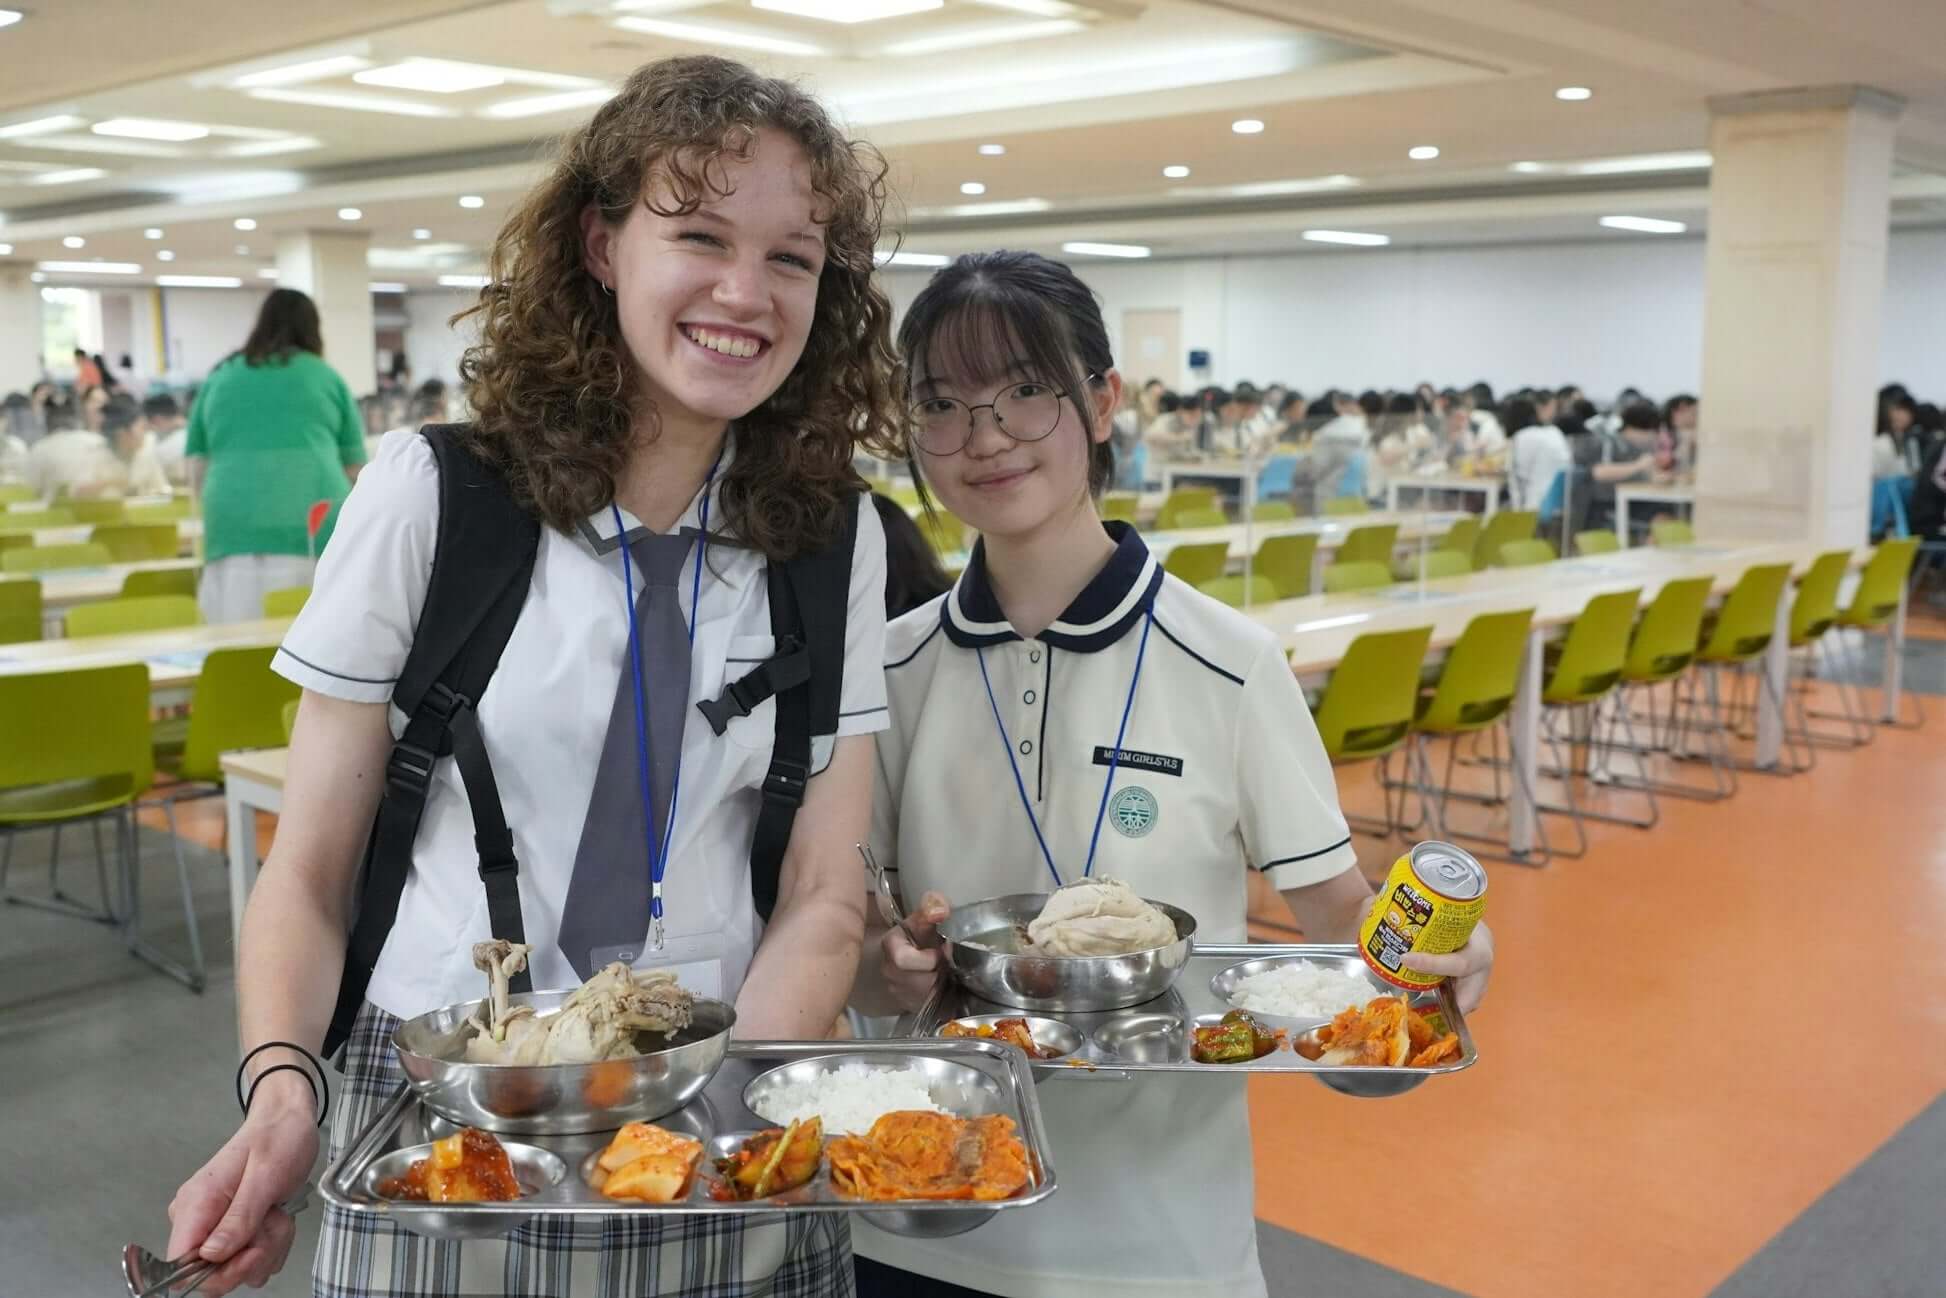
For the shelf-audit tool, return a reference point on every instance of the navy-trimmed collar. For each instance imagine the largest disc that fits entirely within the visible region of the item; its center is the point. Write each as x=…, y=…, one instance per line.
x=1105, y=609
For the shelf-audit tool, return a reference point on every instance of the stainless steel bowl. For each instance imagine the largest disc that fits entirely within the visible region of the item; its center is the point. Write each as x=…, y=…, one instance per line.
x=536, y=1169
x=1223, y=986
x=983, y=955
x=1049, y=1034
x=962, y=1091
x=1144, y=1039
x=559, y=1099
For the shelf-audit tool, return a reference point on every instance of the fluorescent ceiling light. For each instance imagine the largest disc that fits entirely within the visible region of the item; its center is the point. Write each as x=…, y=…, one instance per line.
x=163, y=254
x=41, y=126
x=1528, y=168
x=244, y=223
x=198, y=281
x=68, y=177
x=535, y=105
x=243, y=250
x=92, y=267
x=291, y=74
x=972, y=189
x=471, y=201
x=1642, y=162
x=1422, y=152
x=848, y=11
x=1247, y=126
x=464, y=281
x=267, y=272
x=1105, y=249
x=1004, y=207
x=102, y=144
x=1351, y=237
x=1267, y=188
x=6, y=250
x=717, y=34
x=350, y=214
x=910, y=259
x=150, y=128
x=966, y=38
x=1176, y=172
x=153, y=232
x=37, y=277
x=993, y=150
x=353, y=102
x=1039, y=8
x=388, y=288
x=8, y=17
x=264, y=148
x=434, y=76
x=74, y=241
x=1643, y=224
x=1574, y=94
x=422, y=233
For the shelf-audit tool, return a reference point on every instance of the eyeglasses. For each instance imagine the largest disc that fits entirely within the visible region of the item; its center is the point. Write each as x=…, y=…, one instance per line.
x=1026, y=412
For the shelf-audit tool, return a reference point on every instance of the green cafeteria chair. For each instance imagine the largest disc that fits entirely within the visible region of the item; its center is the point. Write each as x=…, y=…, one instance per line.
x=1198, y=563
x=1241, y=592
x=1437, y=564
x=286, y=602
x=97, y=511
x=946, y=533
x=34, y=519
x=1365, y=713
x=1193, y=518
x=20, y=611
x=1338, y=505
x=48, y=558
x=127, y=616
x=15, y=540
x=1672, y=531
x=160, y=581
x=1507, y=525
x=1527, y=554
x=1660, y=650
x=1287, y=561
x=1373, y=543
x=1183, y=500
x=290, y=718
x=238, y=703
x=1120, y=506
x=171, y=511
x=1597, y=541
x=1343, y=578
x=16, y=493
x=1873, y=605
x=1462, y=535
x=90, y=759
x=1814, y=612
x=1273, y=511
x=137, y=542
x=1583, y=670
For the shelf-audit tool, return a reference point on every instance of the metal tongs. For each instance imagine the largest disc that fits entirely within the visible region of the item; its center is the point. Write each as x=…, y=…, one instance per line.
x=889, y=909
x=149, y=1276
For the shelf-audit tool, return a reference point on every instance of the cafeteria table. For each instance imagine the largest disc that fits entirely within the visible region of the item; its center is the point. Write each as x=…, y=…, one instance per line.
x=1627, y=496
x=174, y=657
x=253, y=781
x=188, y=531
x=62, y=588
x=1486, y=487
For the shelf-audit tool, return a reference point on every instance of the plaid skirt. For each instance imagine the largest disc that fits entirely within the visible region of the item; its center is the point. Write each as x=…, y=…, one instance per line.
x=361, y=1256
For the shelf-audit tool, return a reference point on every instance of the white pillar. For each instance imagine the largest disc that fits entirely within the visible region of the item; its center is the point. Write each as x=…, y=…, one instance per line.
x=331, y=267
x=20, y=327
x=1799, y=207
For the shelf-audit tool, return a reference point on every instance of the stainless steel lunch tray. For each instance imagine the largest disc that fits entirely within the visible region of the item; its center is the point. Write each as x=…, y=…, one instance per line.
x=555, y=1167
x=1154, y=1037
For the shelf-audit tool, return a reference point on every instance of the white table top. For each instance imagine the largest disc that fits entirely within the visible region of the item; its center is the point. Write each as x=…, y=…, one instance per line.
x=64, y=587
x=188, y=529
x=263, y=766
x=1485, y=482
x=1670, y=494
x=1223, y=468
x=174, y=658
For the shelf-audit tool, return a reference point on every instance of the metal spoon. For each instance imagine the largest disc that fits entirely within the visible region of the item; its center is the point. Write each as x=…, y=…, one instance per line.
x=888, y=903
x=149, y=1276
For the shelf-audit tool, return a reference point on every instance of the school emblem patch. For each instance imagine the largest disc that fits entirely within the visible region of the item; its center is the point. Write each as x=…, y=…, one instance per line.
x=1134, y=811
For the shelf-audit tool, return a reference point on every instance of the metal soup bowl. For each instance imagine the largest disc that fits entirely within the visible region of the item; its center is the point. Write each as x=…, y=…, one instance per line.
x=559, y=1099
x=983, y=955
x=536, y=1170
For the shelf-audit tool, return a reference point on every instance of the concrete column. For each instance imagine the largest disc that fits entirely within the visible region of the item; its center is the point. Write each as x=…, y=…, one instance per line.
x=1799, y=206
x=330, y=266
x=20, y=327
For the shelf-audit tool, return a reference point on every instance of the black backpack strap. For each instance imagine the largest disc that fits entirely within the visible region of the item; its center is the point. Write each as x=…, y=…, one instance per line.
x=483, y=564
x=809, y=598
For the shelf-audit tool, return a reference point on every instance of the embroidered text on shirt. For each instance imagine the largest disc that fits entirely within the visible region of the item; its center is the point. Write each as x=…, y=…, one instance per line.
x=1157, y=762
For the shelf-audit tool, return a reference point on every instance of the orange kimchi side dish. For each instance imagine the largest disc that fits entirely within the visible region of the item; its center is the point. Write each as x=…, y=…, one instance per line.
x=1012, y=1031
x=468, y=1166
x=1385, y=1033
x=916, y=1155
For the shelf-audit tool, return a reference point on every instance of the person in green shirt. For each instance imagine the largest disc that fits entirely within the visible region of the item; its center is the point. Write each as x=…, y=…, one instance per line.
x=273, y=431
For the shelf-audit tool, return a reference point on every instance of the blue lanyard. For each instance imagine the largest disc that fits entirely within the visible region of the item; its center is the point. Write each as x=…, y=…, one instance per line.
x=1020, y=785
x=658, y=851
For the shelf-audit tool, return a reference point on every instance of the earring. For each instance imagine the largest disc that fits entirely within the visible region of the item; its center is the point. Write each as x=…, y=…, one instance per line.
x=604, y=288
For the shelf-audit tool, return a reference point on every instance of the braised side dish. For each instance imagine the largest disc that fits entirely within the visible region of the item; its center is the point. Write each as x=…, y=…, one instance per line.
x=1012, y=1031
x=647, y=1164
x=914, y=1155
x=771, y=1162
x=468, y=1166
x=1237, y=1039
x=1385, y=1033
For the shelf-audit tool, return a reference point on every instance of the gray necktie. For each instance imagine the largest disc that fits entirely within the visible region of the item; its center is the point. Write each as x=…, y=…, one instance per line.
x=606, y=915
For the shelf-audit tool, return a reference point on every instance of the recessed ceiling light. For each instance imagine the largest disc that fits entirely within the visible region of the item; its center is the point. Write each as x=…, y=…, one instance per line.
x=910, y=259
x=422, y=233
x=718, y=34
x=536, y=105
x=6, y=250
x=1422, y=152
x=471, y=201
x=291, y=74
x=199, y=281
x=149, y=128
x=244, y=223
x=1039, y=8
x=1643, y=162
x=153, y=232
x=1105, y=249
x=264, y=148
x=966, y=38
x=1643, y=224
x=434, y=76
x=350, y=214
x=1176, y=172
x=38, y=278
x=388, y=288
x=243, y=250
x=993, y=150
x=972, y=189
x=848, y=11
x=163, y=254
x=1247, y=126
x=74, y=241
x=266, y=272
x=351, y=101
x=999, y=207
x=68, y=177
x=8, y=17
x=1352, y=237
x=1269, y=188
x=1574, y=93
x=1528, y=168
x=464, y=281
x=40, y=126
x=92, y=267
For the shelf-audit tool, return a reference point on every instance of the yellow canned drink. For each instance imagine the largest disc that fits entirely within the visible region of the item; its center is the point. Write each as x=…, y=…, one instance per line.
x=1429, y=903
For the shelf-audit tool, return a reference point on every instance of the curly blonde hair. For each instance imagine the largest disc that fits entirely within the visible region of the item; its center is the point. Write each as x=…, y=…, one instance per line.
x=551, y=378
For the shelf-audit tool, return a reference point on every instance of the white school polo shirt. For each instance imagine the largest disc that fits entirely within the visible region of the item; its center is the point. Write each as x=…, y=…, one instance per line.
x=1221, y=770
x=544, y=715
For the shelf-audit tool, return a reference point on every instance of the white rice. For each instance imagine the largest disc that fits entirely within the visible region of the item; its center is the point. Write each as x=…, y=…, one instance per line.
x=849, y=1098
x=1302, y=990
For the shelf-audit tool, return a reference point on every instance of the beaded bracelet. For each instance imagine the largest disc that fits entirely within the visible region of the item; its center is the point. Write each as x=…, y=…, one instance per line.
x=319, y=1084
